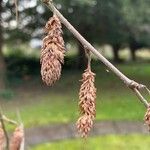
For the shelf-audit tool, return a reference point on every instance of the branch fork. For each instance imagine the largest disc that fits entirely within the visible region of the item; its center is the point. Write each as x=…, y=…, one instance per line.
x=134, y=85
x=4, y=119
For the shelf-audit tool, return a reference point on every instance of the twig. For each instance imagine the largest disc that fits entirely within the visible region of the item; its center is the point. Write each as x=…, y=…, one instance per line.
x=130, y=83
x=88, y=54
x=22, y=126
x=4, y=129
x=9, y=120
x=147, y=90
x=23, y=140
x=141, y=98
x=16, y=8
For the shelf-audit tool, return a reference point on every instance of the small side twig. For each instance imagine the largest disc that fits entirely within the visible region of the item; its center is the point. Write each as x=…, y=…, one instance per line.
x=147, y=90
x=141, y=98
x=22, y=146
x=22, y=127
x=16, y=8
x=9, y=120
x=88, y=54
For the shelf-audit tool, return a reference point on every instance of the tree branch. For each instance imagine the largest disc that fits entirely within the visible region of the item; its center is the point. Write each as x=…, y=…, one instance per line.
x=9, y=120
x=5, y=131
x=16, y=7
x=130, y=83
x=141, y=98
x=3, y=118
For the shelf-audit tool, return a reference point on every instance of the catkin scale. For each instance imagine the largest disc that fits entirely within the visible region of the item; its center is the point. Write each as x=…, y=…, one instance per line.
x=53, y=52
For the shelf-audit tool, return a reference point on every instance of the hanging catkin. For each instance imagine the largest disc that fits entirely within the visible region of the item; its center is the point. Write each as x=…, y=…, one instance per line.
x=2, y=139
x=53, y=51
x=87, y=97
x=17, y=140
x=147, y=117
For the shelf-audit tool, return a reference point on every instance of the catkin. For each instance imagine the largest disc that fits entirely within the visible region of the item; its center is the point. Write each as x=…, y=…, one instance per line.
x=87, y=97
x=17, y=140
x=2, y=139
x=53, y=51
x=147, y=117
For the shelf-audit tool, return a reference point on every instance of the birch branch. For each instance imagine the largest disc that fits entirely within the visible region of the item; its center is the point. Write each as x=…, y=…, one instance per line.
x=16, y=9
x=5, y=131
x=136, y=87
x=4, y=119
x=9, y=120
x=141, y=98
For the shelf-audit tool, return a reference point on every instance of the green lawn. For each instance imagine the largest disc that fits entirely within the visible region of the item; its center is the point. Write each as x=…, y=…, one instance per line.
x=39, y=105
x=109, y=142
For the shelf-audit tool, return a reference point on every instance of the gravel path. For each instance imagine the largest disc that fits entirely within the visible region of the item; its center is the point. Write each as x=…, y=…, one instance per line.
x=65, y=131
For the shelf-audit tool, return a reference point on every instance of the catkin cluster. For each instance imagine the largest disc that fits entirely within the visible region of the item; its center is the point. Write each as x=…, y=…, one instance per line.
x=147, y=117
x=87, y=100
x=53, y=51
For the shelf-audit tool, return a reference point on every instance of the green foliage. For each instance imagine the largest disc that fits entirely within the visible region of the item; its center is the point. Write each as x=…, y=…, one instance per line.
x=22, y=66
x=60, y=103
x=7, y=94
x=136, y=15
x=63, y=108
x=14, y=52
x=111, y=142
x=100, y=21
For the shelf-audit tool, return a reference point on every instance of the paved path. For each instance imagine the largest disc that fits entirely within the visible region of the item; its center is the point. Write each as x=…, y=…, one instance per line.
x=65, y=131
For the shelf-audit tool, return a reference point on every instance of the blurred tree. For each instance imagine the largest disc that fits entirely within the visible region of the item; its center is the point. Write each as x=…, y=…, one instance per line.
x=2, y=62
x=110, y=25
x=32, y=18
x=75, y=12
x=29, y=23
x=101, y=22
x=118, y=23
x=136, y=15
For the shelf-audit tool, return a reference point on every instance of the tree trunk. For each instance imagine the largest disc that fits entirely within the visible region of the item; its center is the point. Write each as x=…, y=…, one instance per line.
x=2, y=62
x=82, y=62
x=133, y=54
x=2, y=71
x=116, y=53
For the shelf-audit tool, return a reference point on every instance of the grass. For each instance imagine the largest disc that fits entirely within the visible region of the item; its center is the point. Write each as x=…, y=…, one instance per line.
x=112, y=142
x=39, y=105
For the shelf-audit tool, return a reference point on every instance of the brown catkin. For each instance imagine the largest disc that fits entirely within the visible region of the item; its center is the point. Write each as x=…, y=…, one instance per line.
x=87, y=98
x=147, y=117
x=53, y=51
x=17, y=140
x=2, y=139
